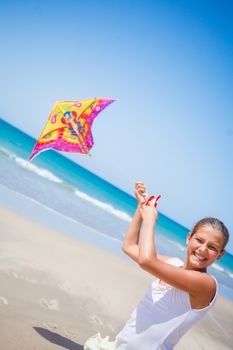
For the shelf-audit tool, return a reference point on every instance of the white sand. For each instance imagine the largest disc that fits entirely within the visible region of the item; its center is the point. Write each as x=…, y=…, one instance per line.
x=57, y=291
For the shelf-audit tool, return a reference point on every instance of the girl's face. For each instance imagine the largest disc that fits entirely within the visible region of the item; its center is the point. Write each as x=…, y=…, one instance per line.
x=204, y=247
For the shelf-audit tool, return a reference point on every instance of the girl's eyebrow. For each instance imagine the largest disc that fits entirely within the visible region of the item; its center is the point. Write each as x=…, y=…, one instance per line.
x=197, y=236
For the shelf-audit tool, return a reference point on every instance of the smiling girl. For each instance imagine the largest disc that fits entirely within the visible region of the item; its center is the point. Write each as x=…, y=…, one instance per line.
x=182, y=293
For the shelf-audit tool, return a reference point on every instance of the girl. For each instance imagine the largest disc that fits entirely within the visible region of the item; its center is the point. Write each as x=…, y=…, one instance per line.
x=182, y=292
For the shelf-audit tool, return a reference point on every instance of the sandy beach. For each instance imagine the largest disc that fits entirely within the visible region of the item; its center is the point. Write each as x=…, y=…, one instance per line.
x=57, y=291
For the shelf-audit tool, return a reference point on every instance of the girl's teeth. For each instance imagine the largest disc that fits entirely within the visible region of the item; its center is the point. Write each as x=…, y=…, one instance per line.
x=199, y=257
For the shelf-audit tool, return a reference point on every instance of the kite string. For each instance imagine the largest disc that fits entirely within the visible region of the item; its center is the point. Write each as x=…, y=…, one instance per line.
x=123, y=174
x=131, y=179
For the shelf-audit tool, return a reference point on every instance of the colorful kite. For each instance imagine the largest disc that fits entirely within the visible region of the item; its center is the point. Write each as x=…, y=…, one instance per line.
x=68, y=128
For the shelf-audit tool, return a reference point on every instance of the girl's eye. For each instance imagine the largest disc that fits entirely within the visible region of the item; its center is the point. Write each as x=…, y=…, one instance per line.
x=212, y=248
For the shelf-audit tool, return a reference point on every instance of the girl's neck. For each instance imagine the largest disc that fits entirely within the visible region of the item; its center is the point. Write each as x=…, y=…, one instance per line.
x=186, y=266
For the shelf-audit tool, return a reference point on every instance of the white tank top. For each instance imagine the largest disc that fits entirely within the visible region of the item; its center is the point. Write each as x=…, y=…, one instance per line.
x=161, y=318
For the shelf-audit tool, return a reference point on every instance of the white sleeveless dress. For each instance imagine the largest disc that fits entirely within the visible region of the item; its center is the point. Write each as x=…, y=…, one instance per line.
x=160, y=319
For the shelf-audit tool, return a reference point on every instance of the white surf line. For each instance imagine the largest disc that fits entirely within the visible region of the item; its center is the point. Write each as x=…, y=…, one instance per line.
x=104, y=206
x=62, y=215
x=49, y=175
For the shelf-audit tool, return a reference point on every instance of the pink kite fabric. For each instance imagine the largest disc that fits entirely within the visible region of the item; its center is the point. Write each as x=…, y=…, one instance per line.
x=68, y=128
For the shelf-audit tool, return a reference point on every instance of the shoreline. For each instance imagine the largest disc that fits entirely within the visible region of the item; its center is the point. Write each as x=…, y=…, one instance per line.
x=58, y=290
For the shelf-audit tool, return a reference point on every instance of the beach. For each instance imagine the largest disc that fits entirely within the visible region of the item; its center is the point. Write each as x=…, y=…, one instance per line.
x=56, y=291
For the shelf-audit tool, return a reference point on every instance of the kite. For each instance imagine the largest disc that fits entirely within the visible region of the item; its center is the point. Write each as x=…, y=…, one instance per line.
x=68, y=128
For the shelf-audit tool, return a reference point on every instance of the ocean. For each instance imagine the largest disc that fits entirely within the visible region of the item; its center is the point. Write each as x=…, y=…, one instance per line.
x=52, y=186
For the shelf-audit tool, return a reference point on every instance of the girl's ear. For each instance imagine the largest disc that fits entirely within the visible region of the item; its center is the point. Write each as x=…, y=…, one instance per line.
x=221, y=254
x=188, y=237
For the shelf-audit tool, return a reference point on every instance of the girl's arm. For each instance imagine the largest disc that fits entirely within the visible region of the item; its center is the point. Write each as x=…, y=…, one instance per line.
x=131, y=240
x=130, y=244
x=194, y=282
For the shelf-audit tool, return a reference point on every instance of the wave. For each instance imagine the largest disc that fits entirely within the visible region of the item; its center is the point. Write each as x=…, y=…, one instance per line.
x=31, y=167
x=107, y=207
x=53, y=178
x=223, y=270
x=38, y=170
x=174, y=243
x=62, y=215
x=217, y=267
x=5, y=152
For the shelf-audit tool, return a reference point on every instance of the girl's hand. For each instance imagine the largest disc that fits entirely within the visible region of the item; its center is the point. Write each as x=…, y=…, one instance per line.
x=140, y=193
x=149, y=213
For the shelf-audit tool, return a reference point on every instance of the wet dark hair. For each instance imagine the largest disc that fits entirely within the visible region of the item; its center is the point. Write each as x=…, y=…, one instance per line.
x=216, y=224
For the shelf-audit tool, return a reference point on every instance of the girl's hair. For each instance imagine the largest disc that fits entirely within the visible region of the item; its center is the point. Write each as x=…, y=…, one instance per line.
x=216, y=224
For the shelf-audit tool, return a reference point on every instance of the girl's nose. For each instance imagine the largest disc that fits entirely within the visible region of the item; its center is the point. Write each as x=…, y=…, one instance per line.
x=203, y=249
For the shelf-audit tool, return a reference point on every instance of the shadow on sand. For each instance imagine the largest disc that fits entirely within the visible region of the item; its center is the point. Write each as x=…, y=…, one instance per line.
x=58, y=339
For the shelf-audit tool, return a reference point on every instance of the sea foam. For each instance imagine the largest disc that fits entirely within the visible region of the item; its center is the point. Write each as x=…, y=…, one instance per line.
x=107, y=207
x=40, y=171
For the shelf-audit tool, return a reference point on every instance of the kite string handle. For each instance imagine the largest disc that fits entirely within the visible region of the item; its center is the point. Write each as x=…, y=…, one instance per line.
x=153, y=200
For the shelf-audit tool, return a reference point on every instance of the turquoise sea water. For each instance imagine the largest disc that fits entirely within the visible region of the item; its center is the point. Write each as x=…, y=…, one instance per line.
x=62, y=186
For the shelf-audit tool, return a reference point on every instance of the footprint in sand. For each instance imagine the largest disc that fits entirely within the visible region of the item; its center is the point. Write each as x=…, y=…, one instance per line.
x=25, y=278
x=51, y=304
x=14, y=274
x=50, y=326
x=69, y=334
x=66, y=287
x=110, y=329
x=30, y=279
x=95, y=319
x=3, y=301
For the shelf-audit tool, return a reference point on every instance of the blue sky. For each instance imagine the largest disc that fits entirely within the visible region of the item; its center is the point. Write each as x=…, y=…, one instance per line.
x=169, y=64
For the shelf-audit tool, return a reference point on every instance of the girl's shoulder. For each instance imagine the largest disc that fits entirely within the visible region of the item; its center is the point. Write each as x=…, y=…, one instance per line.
x=207, y=296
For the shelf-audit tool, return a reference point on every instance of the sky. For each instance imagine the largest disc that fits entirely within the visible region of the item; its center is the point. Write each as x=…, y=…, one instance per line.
x=168, y=63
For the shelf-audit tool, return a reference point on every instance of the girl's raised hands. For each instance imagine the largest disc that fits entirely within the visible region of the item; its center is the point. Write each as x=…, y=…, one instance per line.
x=149, y=213
x=140, y=193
